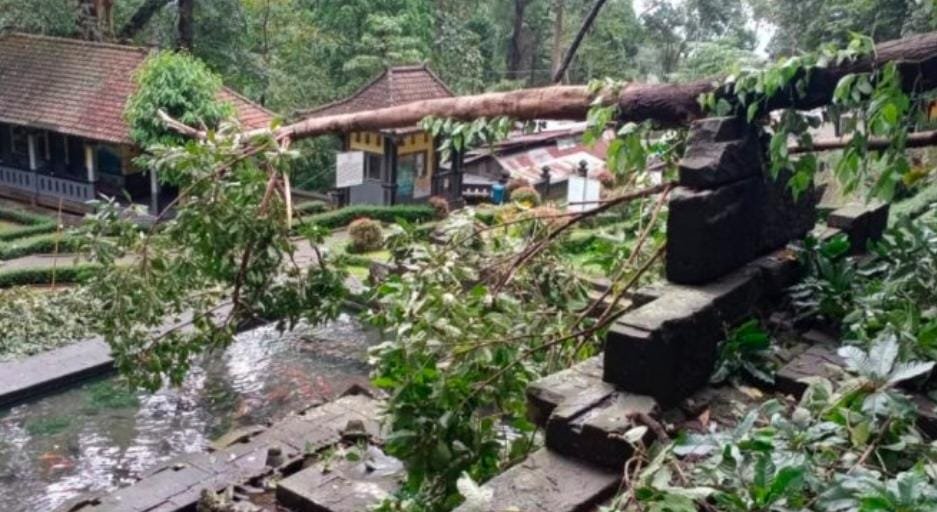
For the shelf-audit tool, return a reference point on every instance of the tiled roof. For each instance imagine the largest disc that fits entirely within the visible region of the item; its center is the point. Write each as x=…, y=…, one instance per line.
x=80, y=88
x=394, y=86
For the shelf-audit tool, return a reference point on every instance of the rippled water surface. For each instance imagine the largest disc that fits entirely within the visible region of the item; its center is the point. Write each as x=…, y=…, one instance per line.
x=98, y=436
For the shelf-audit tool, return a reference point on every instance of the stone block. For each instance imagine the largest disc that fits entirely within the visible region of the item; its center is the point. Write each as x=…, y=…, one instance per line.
x=667, y=348
x=717, y=129
x=590, y=427
x=785, y=218
x=546, y=394
x=779, y=271
x=549, y=482
x=816, y=361
x=714, y=164
x=927, y=415
x=863, y=223
x=712, y=232
x=342, y=486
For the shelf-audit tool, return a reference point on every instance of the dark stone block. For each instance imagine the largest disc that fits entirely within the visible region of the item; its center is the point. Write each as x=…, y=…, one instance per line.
x=779, y=270
x=342, y=486
x=548, y=482
x=816, y=361
x=714, y=164
x=712, y=232
x=592, y=430
x=546, y=394
x=717, y=129
x=667, y=348
x=863, y=223
x=785, y=218
x=926, y=415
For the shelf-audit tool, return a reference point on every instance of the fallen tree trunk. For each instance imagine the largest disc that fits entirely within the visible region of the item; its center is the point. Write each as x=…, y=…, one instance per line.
x=915, y=140
x=665, y=104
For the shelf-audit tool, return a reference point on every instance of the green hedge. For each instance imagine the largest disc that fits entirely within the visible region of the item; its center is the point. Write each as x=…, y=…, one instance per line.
x=41, y=244
x=33, y=224
x=342, y=217
x=28, y=276
x=310, y=208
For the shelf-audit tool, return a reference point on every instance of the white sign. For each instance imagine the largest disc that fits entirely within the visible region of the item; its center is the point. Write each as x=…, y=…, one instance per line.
x=349, y=169
x=582, y=194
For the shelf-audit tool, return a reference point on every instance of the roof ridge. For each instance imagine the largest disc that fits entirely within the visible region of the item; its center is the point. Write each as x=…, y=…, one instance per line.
x=390, y=84
x=76, y=42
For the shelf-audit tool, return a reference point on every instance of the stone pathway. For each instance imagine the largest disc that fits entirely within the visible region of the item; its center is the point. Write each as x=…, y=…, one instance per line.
x=57, y=368
x=177, y=485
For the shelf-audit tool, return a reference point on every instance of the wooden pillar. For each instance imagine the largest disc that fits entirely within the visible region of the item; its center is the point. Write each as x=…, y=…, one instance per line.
x=31, y=147
x=154, y=192
x=90, y=166
x=65, y=149
x=390, y=170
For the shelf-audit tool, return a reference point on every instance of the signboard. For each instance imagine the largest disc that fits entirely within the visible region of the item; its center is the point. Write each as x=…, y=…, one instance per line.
x=584, y=191
x=349, y=169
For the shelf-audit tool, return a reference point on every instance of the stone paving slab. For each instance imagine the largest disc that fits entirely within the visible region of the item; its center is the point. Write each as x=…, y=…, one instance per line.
x=30, y=376
x=549, y=482
x=341, y=486
x=546, y=394
x=819, y=360
x=176, y=485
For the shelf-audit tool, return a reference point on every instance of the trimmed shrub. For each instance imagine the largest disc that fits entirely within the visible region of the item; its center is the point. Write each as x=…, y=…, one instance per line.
x=514, y=184
x=29, y=276
x=526, y=195
x=606, y=178
x=310, y=208
x=41, y=244
x=344, y=216
x=441, y=205
x=365, y=235
x=33, y=224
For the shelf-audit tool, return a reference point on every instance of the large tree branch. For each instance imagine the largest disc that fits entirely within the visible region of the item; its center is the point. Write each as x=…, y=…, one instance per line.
x=141, y=17
x=586, y=25
x=666, y=104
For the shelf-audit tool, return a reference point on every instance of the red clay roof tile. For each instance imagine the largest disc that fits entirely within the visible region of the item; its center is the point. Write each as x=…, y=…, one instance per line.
x=79, y=87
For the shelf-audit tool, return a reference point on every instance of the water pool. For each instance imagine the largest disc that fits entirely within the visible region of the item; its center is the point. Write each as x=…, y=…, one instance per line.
x=99, y=436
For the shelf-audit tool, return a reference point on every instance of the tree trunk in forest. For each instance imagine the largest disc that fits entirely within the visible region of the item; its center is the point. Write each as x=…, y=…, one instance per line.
x=141, y=17
x=557, y=54
x=95, y=19
x=665, y=104
x=515, y=45
x=558, y=72
x=186, y=30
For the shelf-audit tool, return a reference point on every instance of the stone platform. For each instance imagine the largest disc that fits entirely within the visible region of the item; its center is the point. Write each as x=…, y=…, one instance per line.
x=177, y=485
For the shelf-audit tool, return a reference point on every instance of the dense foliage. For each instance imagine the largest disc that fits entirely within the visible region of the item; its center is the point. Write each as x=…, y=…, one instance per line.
x=182, y=87
x=34, y=320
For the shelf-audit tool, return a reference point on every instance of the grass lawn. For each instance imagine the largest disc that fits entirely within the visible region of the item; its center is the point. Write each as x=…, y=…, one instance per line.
x=6, y=225
x=361, y=273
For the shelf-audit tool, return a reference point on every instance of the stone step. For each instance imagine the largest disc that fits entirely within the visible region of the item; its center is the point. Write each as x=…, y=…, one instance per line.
x=342, y=485
x=176, y=485
x=585, y=417
x=666, y=349
x=548, y=482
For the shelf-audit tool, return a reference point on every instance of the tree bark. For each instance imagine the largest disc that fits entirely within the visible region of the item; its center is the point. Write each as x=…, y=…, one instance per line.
x=141, y=17
x=186, y=20
x=515, y=46
x=586, y=25
x=556, y=57
x=666, y=104
x=915, y=140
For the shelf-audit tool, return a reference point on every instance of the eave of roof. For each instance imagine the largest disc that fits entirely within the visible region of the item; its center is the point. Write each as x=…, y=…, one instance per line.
x=79, y=88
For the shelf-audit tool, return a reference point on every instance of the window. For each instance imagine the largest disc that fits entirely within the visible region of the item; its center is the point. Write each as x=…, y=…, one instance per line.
x=374, y=165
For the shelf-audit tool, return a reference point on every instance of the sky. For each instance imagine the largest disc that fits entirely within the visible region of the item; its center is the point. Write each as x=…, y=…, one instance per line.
x=763, y=32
